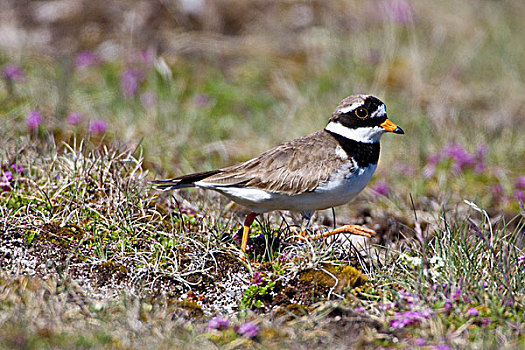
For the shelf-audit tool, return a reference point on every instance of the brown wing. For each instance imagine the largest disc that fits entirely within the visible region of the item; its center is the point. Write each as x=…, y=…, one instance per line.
x=294, y=167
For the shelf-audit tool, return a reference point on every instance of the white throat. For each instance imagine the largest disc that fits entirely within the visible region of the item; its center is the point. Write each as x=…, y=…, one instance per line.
x=366, y=134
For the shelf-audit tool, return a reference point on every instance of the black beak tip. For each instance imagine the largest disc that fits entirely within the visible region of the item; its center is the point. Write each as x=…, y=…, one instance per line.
x=398, y=130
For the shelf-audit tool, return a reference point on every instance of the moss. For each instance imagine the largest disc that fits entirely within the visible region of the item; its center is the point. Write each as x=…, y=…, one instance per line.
x=293, y=310
x=109, y=270
x=194, y=310
x=344, y=276
x=60, y=235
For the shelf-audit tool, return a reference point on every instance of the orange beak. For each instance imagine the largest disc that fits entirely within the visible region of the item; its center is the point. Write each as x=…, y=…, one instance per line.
x=391, y=127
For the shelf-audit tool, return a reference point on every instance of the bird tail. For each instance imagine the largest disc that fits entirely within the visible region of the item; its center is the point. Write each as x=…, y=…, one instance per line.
x=183, y=181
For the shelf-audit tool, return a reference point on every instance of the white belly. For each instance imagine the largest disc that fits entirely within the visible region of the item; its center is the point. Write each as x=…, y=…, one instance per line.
x=342, y=187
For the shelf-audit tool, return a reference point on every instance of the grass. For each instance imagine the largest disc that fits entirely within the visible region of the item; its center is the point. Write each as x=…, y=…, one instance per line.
x=92, y=257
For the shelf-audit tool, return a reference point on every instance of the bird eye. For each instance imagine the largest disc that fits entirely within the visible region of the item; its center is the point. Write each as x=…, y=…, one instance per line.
x=361, y=113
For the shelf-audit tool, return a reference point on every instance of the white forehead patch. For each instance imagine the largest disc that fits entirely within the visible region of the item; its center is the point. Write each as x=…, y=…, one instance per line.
x=353, y=106
x=381, y=112
x=365, y=134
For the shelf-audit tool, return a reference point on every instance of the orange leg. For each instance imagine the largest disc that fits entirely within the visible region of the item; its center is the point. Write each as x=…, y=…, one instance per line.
x=246, y=230
x=303, y=236
x=352, y=229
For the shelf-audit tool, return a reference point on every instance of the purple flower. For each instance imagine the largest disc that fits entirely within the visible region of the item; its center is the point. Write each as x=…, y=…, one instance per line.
x=497, y=190
x=218, y=323
x=461, y=159
x=405, y=296
x=485, y=284
x=33, y=120
x=480, y=167
x=385, y=306
x=447, y=305
x=283, y=258
x=130, y=80
x=148, y=99
x=359, y=309
x=481, y=152
x=434, y=159
x=520, y=182
x=201, y=100
x=441, y=347
x=86, y=59
x=456, y=294
x=429, y=170
x=74, y=118
x=398, y=11
x=17, y=168
x=7, y=176
x=420, y=342
x=381, y=188
x=248, y=329
x=12, y=72
x=406, y=318
x=257, y=278
x=147, y=57
x=472, y=312
x=405, y=169
x=519, y=195
x=98, y=126
x=5, y=181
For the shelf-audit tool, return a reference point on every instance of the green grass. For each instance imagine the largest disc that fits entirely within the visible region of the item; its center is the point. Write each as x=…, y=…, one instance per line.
x=93, y=257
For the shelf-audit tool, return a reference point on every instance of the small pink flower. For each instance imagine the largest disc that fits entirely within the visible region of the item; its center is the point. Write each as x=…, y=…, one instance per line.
x=381, y=188
x=420, y=342
x=201, y=100
x=98, y=126
x=147, y=57
x=481, y=152
x=74, y=118
x=33, y=120
x=519, y=195
x=12, y=72
x=398, y=11
x=497, y=190
x=257, y=278
x=17, y=168
x=130, y=80
x=456, y=294
x=148, y=99
x=441, y=347
x=86, y=59
x=218, y=323
x=359, y=309
x=5, y=181
x=472, y=312
x=283, y=258
x=520, y=182
x=406, y=318
x=461, y=159
x=480, y=167
x=248, y=329
x=385, y=306
x=521, y=259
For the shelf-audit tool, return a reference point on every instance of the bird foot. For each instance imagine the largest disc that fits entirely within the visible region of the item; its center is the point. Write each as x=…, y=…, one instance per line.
x=352, y=229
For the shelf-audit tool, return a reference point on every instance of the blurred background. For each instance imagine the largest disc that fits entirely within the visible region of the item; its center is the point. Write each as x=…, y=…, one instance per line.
x=204, y=83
